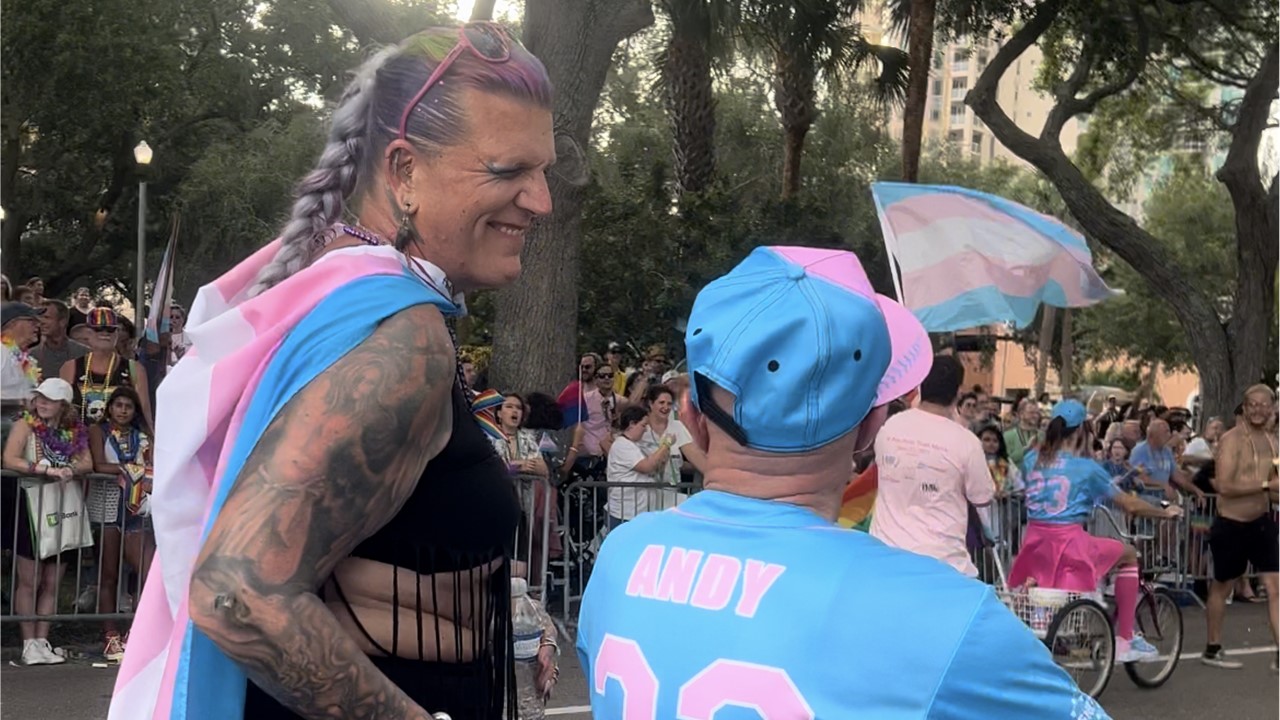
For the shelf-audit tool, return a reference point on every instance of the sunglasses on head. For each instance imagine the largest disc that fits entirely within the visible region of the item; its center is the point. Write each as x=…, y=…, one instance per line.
x=486, y=40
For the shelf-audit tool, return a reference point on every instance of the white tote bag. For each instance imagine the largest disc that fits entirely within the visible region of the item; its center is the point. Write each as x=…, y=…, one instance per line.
x=58, y=518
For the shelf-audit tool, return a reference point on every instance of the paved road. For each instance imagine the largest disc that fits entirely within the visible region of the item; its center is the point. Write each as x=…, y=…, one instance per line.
x=78, y=691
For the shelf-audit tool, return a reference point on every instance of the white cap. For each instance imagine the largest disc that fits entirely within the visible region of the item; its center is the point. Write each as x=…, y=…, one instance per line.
x=519, y=586
x=55, y=389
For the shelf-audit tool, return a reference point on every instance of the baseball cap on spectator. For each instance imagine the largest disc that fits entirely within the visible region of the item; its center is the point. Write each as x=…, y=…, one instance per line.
x=102, y=319
x=1071, y=412
x=804, y=344
x=55, y=389
x=615, y=347
x=16, y=311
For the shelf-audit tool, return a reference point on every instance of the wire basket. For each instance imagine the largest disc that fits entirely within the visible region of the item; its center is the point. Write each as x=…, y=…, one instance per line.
x=1037, y=606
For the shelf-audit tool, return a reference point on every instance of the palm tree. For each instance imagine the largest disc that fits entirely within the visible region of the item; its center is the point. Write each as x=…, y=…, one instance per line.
x=700, y=31
x=808, y=39
x=920, y=19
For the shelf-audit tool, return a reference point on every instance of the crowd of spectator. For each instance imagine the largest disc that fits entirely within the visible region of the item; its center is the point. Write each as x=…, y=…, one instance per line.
x=78, y=391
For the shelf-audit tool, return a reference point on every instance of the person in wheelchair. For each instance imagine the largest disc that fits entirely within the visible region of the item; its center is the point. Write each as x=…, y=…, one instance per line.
x=1063, y=485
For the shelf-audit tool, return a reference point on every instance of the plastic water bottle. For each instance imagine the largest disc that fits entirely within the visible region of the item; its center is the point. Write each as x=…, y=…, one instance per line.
x=526, y=623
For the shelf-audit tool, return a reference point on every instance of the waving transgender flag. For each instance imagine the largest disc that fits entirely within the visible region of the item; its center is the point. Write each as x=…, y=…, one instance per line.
x=967, y=259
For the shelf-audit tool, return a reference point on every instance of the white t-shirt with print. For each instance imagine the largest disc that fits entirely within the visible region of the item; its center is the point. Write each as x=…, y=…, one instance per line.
x=930, y=468
x=628, y=502
x=670, y=472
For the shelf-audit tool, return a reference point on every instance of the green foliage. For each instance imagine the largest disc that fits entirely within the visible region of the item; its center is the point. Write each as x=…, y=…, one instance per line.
x=644, y=258
x=213, y=86
x=236, y=196
x=1192, y=213
x=1127, y=378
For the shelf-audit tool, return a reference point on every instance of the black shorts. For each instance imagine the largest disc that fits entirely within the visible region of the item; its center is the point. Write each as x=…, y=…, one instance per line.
x=1235, y=545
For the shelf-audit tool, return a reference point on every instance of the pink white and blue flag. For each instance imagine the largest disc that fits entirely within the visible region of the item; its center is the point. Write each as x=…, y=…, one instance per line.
x=249, y=356
x=967, y=258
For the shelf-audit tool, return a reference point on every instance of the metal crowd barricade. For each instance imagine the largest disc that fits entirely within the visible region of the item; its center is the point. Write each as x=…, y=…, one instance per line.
x=584, y=525
x=537, y=531
x=1197, y=566
x=1009, y=523
x=78, y=572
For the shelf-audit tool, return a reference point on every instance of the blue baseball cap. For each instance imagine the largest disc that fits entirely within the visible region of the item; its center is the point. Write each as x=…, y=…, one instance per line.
x=804, y=344
x=1071, y=412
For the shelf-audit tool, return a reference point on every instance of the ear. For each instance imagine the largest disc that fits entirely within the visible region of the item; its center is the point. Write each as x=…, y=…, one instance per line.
x=694, y=420
x=870, y=426
x=399, y=162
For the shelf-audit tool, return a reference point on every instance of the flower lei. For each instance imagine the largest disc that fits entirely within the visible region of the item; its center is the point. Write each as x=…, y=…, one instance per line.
x=29, y=366
x=65, y=441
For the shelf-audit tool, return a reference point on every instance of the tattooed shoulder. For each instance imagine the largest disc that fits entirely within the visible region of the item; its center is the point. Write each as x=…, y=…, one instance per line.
x=332, y=468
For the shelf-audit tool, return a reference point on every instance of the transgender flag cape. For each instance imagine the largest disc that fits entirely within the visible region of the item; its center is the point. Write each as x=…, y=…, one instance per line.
x=248, y=357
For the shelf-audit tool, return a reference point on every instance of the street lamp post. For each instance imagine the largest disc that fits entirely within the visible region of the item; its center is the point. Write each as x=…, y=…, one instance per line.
x=142, y=154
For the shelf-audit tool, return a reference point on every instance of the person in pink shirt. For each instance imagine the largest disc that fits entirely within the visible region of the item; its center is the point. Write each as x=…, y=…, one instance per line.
x=931, y=470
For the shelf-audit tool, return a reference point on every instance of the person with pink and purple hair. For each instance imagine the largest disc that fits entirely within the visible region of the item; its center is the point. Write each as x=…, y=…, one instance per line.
x=334, y=529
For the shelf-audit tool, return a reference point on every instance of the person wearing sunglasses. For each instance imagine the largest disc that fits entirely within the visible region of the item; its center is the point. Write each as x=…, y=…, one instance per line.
x=334, y=528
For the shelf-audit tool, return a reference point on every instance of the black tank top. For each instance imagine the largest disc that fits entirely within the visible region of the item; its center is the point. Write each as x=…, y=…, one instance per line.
x=462, y=515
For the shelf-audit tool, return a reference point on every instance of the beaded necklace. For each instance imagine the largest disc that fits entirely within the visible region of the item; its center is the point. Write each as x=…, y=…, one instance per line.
x=86, y=385
x=58, y=444
x=28, y=364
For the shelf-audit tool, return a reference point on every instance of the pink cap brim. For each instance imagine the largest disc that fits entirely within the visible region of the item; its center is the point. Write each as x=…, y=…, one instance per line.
x=911, y=350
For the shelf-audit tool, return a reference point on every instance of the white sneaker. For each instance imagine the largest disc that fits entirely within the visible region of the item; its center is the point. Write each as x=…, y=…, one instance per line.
x=37, y=652
x=1127, y=652
x=52, y=656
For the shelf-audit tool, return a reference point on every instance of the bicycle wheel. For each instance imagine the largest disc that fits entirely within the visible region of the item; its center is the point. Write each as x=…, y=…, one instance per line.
x=1160, y=622
x=1083, y=642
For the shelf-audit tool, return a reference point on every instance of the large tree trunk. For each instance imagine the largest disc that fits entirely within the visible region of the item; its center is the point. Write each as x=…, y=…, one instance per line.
x=793, y=153
x=794, y=95
x=1257, y=254
x=920, y=55
x=536, y=324
x=1048, y=319
x=691, y=108
x=482, y=10
x=1228, y=356
x=1066, y=378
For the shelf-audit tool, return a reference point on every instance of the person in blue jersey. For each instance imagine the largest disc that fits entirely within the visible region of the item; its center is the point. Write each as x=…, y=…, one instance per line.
x=1062, y=488
x=748, y=600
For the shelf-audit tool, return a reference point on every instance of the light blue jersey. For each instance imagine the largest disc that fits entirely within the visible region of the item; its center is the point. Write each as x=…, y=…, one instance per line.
x=1067, y=489
x=1158, y=464
x=730, y=608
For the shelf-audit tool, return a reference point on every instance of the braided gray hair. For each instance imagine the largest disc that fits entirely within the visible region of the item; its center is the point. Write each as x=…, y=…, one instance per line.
x=322, y=194
x=367, y=118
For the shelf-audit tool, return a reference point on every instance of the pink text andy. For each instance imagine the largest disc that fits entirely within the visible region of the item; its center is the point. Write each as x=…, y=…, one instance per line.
x=704, y=580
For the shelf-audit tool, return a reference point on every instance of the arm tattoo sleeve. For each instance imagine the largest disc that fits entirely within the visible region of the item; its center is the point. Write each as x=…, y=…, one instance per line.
x=334, y=466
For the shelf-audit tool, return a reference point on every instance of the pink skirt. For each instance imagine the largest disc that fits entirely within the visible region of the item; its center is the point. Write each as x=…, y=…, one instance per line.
x=1064, y=557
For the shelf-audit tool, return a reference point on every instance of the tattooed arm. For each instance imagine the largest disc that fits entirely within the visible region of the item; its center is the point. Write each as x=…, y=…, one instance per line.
x=333, y=467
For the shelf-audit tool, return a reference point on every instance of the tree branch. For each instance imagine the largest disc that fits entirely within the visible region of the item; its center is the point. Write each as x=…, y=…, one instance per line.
x=372, y=22
x=1099, y=219
x=1241, y=165
x=982, y=98
x=1068, y=105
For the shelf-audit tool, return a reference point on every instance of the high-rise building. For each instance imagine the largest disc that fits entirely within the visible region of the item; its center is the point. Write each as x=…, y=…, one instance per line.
x=953, y=72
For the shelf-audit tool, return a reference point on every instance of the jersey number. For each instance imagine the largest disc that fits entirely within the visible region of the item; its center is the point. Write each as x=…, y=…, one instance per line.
x=1047, y=495
x=767, y=690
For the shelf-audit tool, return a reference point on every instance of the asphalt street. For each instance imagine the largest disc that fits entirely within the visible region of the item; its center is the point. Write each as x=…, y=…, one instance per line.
x=79, y=691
